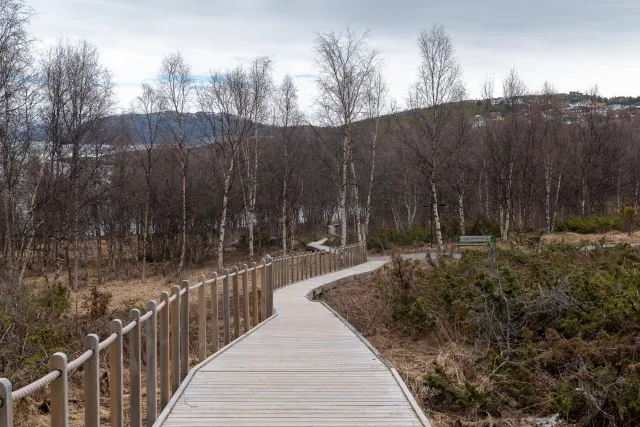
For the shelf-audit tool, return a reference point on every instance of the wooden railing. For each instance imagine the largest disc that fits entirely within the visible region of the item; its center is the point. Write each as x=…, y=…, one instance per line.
x=167, y=338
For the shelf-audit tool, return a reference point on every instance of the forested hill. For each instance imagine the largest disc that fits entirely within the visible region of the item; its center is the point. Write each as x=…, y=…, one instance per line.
x=198, y=128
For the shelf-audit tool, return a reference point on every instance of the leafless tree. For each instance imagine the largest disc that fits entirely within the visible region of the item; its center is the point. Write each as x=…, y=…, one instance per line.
x=175, y=86
x=345, y=64
x=288, y=119
x=16, y=108
x=78, y=93
x=229, y=118
x=377, y=106
x=261, y=87
x=434, y=98
x=503, y=146
x=145, y=122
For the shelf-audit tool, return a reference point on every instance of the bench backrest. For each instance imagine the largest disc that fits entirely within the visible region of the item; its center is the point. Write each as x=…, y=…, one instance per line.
x=476, y=239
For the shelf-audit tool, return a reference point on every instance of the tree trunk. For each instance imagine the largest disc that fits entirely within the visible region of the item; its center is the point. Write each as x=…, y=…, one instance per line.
x=618, y=196
x=223, y=217
x=145, y=225
x=583, y=202
x=554, y=213
x=285, y=195
x=367, y=215
x=436, y=216
x=356, y=201
x=547, y=198
x=183, y=245
x=343, y=191
x=636, y=192
x=461, y=212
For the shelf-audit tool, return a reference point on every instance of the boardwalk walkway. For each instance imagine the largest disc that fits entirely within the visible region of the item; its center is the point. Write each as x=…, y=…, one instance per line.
x=304, y=367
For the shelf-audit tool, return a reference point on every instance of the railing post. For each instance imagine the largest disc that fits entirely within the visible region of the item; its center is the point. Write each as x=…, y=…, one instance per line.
x=59, y=391
x=115, y=378
x=6, y=402
x=202, y=320
x=300, y=267
x=264, y=299
x=292, y=269
x=305, y=257
x=175, y=339
x=227, y=307
x=285, y=272
x=270, y=290
x=165, y=388
x=91, y=370
x=254, y=292
x=215, y=339
x=245, y=296
x=184, y=332
x=135, y=392
x=317, y=263
x=151, y=337
x=236, y=304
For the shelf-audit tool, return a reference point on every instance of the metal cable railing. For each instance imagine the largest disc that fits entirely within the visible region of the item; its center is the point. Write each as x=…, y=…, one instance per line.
x=170, y=320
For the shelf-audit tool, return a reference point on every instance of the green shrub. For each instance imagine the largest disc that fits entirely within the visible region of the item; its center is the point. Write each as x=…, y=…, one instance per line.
x=589, y=225
x=385, y=238
x=461, y=394
x=572, y=319
x=55, y=299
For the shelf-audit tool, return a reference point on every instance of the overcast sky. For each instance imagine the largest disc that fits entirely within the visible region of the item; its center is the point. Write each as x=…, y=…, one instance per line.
x=572, y=43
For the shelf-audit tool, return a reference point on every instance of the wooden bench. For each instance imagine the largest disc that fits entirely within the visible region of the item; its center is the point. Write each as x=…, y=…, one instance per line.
x=476, y=241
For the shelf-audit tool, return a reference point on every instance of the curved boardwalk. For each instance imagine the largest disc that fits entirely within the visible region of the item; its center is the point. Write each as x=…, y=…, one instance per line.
x=304, y=367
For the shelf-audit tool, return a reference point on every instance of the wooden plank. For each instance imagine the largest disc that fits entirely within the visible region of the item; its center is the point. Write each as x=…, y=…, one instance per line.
x=303, y=367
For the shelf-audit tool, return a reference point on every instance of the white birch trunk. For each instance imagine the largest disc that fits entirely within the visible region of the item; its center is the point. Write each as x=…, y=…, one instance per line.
x=371, y=177
x=356, y=201
x=223, y=217
x=436, y=216
x=547, y=195
x=343, y=190
x=461, y=212
x=554, y=214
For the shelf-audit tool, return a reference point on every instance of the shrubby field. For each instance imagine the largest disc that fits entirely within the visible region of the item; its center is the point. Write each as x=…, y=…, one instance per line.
x=509, y=334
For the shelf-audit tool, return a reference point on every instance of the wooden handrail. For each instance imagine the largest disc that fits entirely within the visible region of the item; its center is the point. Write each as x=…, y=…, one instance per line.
x=167, y=346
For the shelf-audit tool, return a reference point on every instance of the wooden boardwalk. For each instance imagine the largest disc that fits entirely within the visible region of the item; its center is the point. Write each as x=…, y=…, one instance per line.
x=304, y=367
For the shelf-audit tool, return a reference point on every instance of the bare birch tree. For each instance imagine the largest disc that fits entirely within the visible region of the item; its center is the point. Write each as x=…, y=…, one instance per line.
x=288, y=118
x=227, y=120
x=146, y=121
x=344, y=64
x=16, y=113
x=175, y=86
x=434, y=98
x=261, y=86
x=377, y=106
x=503, y=146
x=78, y=94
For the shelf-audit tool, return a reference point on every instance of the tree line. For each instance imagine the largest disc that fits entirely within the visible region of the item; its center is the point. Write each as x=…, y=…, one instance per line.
x=197, y=166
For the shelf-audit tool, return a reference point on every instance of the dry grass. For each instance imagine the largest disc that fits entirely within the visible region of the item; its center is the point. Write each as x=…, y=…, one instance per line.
x=612, y=237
